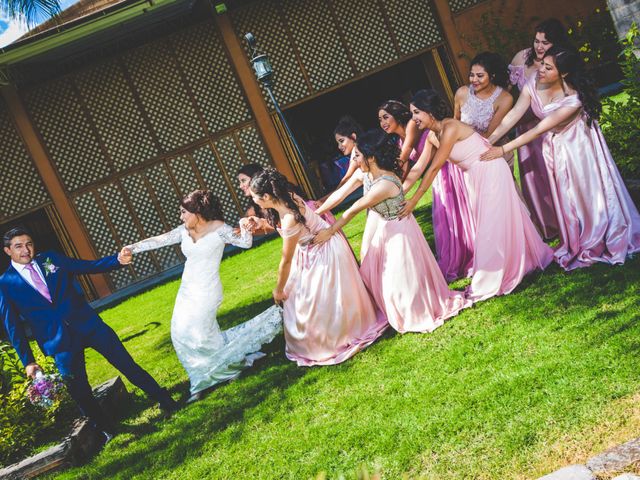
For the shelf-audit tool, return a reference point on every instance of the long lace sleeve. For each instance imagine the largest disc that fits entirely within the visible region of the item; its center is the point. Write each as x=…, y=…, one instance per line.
x=153, y=243
x=244, y=240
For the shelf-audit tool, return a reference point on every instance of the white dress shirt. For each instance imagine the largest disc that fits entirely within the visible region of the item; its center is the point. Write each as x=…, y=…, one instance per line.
x=24, y=273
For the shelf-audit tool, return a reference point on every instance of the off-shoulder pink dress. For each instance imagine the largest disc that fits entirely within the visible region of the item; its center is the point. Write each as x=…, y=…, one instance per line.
x=534, y=179
x=597, y=218
x=507, y=244
x=400, y=271
x=329, y=315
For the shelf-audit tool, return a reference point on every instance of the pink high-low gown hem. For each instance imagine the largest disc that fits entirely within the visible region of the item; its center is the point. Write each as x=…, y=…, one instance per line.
x=534, y=179
x=328, y=316
x=597, y=218
x=507, y=244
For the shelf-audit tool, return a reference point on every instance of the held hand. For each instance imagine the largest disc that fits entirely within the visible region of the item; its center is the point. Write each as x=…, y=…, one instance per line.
x=250, y=224
x=279, y=296
x=32, y=369
x=125, y=257
x=492, y=153
x=407, y=208
x=322, y=236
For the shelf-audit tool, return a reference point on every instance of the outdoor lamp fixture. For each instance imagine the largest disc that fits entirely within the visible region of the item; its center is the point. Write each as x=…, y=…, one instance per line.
x=264, y=73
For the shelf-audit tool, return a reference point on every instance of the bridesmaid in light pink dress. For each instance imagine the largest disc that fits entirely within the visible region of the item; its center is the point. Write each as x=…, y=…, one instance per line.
x=328, y=314
x=597, y=218
x=534, y=179
x=507, y=244
x=398, y=267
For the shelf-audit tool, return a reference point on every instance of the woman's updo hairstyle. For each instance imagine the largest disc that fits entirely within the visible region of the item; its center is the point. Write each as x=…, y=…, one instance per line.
x=384, y=148
x=347, y=127
x=203, y=203
x=495, y=66
x=555, y=32
x=431, y=102
x=276, y=184
x=398, y=110
x=571, y=66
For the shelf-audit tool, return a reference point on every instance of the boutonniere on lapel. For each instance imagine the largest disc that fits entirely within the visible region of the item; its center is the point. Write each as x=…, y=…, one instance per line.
x=49, y=267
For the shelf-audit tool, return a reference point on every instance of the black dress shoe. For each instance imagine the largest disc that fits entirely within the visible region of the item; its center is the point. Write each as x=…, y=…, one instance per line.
x=169, y=407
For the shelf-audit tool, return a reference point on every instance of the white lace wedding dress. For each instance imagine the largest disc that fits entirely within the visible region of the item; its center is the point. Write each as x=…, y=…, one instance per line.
x=209, y=355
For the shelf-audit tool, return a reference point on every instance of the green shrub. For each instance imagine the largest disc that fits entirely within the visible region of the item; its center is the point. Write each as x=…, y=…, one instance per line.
x=620, y=119
x=23, y=427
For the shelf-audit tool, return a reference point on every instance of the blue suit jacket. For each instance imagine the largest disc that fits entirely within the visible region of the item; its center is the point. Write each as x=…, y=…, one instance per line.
x=52, y=324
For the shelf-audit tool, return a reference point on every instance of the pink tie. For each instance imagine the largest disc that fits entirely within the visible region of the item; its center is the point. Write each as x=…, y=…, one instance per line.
x=37, y=282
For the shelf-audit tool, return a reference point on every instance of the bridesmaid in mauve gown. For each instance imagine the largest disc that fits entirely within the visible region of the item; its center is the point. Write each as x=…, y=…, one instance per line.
x=398, y=267
x=597, y=218
x=328, y=314
x=507, y=244
x=534, y=179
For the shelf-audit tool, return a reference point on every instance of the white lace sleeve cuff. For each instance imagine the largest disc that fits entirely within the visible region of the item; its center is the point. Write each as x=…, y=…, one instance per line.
x=153, y=243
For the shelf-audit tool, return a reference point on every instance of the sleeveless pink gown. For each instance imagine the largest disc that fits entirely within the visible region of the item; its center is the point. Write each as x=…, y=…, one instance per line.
x=597, y=218
x=534, y=179
x=328, y=316
x=400, y=271
x=507, y=244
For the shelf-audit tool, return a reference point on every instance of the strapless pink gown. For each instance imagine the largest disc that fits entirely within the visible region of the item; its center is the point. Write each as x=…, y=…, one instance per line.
x=400, y=271
x=507, y=244
x=597, y=218
x=328, y=316
x=534, y=178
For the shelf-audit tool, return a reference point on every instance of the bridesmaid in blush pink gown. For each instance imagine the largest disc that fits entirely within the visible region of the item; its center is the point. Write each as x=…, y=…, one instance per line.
x=328, y=314
x=597, y=218
x=398, y=267
x=534, y=179
x=507, y=244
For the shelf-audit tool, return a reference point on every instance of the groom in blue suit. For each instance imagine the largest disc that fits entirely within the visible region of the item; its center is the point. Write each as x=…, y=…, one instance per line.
x=39, y=291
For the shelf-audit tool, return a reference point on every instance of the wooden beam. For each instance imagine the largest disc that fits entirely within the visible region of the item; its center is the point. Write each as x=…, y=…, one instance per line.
x=249, y=84
x=452, y=37
x=52, y=183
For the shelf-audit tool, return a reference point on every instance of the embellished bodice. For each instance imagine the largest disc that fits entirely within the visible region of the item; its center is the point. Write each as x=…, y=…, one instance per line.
x=478, y=112
x=389, y=207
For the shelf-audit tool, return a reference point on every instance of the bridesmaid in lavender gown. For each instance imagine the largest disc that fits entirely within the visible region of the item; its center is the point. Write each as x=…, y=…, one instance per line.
x=597, y=218
x=507, y=245
x=534, y=179
x=328, y=314
x=398, y=267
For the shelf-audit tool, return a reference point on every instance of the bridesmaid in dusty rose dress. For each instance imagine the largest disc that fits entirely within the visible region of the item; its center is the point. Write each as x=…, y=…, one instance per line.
x=534, y=179
x=597, y=218
x=398, y=267
x=328, y=314
x=507, y=244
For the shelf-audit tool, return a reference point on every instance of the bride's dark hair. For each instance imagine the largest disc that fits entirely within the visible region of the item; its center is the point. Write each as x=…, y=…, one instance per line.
x=569, y=64
x=203, y=203
x=275, y=184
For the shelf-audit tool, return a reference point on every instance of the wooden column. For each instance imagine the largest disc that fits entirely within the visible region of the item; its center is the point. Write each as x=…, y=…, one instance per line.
x=452, y=37
x=52, y=182
x=249, y=84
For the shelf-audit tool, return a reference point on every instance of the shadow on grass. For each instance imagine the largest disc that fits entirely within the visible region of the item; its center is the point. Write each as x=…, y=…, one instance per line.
x=149, y=326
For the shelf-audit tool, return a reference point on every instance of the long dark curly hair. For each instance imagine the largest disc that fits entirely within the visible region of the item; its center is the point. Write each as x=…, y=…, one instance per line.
x=555, y=32
x=431, y=101
x=398, y=110
x=384, y=148
x=203, y=203
x=495, y=66
x=569, y=64
x=275, y=184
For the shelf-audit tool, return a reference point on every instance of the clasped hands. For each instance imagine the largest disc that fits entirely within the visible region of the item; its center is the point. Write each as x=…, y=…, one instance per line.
x=125, y=256
x=253, y=224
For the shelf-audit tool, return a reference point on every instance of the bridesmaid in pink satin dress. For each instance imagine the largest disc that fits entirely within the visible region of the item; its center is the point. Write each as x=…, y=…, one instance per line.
x=328, y=314
x=534, y=179
x=597, y=218
x=507, y=244
x=398, y=267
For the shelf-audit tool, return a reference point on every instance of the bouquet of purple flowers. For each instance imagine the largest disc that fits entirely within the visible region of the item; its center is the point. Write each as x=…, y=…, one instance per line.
x=45, y=389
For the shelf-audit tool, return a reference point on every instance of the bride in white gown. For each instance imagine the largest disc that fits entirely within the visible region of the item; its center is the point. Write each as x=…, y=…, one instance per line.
x=209, y=355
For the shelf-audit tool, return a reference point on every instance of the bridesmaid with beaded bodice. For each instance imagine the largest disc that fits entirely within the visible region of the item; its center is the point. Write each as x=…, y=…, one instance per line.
x=397, y=266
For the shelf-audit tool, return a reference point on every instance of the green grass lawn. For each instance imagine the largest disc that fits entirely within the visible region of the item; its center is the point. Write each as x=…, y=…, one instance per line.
x=515, y=387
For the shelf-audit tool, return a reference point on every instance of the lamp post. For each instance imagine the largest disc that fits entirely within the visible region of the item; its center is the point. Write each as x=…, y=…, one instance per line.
x=264, y=73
